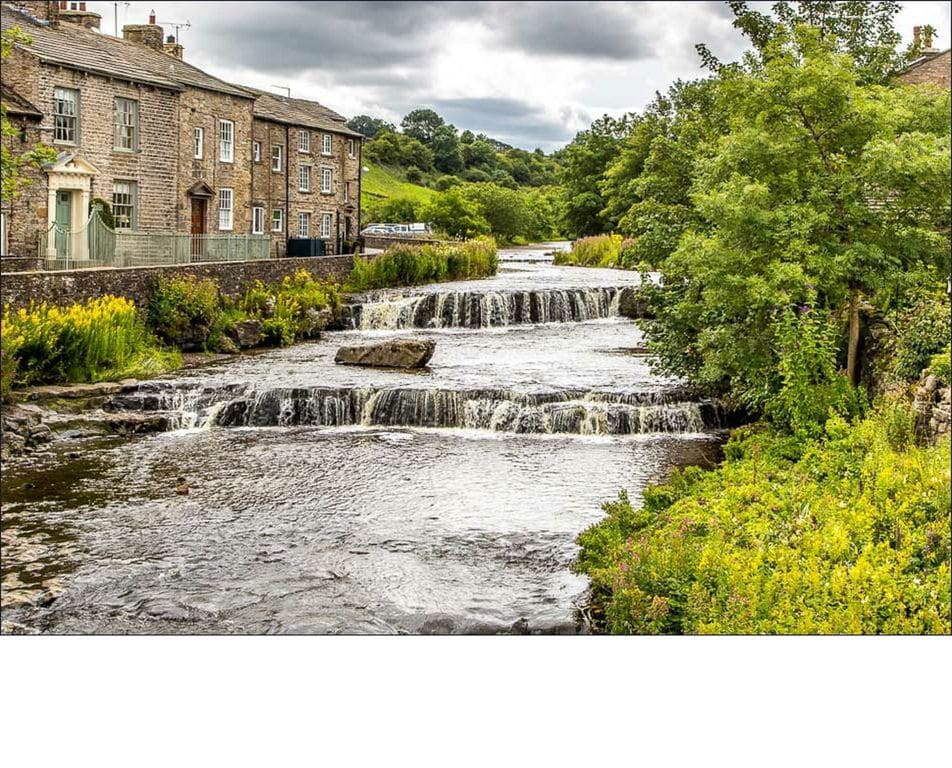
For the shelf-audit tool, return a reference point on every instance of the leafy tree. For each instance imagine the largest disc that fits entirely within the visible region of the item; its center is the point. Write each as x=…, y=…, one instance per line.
x=393, y=209
x=479, y=154
x=454, y=213
x=467, y=137
x=864, y=30
x=584, y=163
x=369, y=126
x=396, y=149
x=823, y=193
x=447, y=154
x=422, y=124
x=505, y=209
x=13, y=163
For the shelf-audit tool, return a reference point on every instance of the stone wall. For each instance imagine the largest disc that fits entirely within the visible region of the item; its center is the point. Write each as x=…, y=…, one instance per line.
x=933, y=407
x=936, y=70
x=135, y=283
x=385, y=241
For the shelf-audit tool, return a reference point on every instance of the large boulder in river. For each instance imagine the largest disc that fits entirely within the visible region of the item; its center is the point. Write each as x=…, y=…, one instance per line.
x=393, y=353
x=247, y=333
x=632, y=304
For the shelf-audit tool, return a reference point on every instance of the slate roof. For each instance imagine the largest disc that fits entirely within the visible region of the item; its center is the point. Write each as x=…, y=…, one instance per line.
x=75, y=47
x=307, y=114
x=15, y=104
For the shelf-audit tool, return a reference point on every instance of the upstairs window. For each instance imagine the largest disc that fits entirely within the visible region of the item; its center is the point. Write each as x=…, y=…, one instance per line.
x=277, y=220
x=198, y=139
x=124, y=204
x=65, y=116
x=325, y=144
x=226, y=141
x=276, y=158
x=256, y=151
x=225, y=213
x=346, y=191
x=126, y=124
x=304, y=178
x=351, y=147
x=304, y=141
x=326, y=179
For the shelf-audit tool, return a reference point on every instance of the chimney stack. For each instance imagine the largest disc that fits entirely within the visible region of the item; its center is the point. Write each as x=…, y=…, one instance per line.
x=173, y=48
x=149, y=34
x=45, y=10
x=76, y=13
x=927, y=39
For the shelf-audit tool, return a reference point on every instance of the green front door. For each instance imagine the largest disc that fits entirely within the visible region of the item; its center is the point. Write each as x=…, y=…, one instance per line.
x=63, y=209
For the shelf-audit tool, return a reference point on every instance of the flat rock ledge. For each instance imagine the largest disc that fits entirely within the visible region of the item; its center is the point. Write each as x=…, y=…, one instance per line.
x=393, y=353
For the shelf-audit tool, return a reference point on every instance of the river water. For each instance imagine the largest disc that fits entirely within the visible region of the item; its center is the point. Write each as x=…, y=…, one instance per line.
x=337, y=499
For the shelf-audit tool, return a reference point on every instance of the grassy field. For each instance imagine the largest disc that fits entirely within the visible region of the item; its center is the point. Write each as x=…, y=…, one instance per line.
x=378, y=184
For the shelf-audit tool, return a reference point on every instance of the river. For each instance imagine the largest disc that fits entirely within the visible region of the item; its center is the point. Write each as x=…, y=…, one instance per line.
x=334, y=499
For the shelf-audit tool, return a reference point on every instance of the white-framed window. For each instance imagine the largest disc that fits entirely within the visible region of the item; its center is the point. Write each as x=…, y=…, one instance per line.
x=276, y=161
x=65, y=116
x=198, y=139
x=304, y=178
x=346, y=191
x=126, y=124
x=226, y=141
x=225, y=212
x=325, y=143
x=351, y=147
x=326, y=180
x=304, y=225
x=277, y=220
x=256, y=151
x=124, y=194
x=304, y=141
x=257, y=220
x=325, y=225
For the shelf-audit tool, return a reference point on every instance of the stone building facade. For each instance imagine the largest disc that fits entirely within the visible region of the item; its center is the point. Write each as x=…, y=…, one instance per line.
x=307, y=172
x=932, y=68
x=170, y=147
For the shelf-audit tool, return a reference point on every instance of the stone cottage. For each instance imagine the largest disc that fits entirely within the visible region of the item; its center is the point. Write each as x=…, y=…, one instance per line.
x=307, y=172
x=933, y=67
x=167, y=145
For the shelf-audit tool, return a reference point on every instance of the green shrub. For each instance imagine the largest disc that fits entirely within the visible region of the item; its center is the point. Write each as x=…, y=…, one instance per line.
x=924, y=331
x=940, y=366
x=850, y=536
x=105, y=211
x=429, y=263
x=414, y=175
x=99, y=339
x=594, y=251
x=289, y=310
x=185, y=311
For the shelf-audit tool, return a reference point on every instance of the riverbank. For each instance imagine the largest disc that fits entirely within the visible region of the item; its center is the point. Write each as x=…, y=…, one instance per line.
x=844, y=534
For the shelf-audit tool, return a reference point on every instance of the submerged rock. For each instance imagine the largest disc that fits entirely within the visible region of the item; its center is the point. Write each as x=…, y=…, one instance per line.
x=393, y=353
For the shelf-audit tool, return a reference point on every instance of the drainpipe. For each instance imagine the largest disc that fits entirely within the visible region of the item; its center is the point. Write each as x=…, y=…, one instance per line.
x=287, y=187
x=360, y=174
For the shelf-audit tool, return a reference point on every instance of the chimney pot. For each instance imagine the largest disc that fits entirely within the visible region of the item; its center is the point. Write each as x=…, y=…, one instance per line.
x=927, y=39
x=152, y=17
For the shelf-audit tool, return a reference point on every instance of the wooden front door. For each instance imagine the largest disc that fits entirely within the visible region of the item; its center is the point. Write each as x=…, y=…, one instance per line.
x=198, y=224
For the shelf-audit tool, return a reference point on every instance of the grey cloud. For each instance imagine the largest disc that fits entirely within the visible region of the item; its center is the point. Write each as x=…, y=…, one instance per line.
x=510, y=120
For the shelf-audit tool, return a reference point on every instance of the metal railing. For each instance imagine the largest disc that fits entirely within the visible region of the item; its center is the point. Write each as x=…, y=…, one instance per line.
x=96, y=245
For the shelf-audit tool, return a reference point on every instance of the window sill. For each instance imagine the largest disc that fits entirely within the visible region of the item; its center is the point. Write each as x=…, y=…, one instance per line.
x=327, y=154
x=276, y=171
x=118, y=151
x=328, y=193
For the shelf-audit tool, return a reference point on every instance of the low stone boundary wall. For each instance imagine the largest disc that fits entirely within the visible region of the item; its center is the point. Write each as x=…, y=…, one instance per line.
x=18, y=289
x=384, y=241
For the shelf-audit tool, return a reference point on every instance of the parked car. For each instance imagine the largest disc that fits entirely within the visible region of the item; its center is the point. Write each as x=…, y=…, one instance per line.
x=376, y=229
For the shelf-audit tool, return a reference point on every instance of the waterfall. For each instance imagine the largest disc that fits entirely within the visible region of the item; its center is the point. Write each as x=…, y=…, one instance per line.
x=486, y=309
x=499, y=410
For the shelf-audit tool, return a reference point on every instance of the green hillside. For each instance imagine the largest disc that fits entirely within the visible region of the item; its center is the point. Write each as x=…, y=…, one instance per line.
x=378, y=183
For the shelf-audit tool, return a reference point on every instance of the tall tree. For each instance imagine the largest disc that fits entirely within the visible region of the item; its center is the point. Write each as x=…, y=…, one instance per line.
x=864, y=30
x=369, y=126
x=825, y=192
x=422, y=125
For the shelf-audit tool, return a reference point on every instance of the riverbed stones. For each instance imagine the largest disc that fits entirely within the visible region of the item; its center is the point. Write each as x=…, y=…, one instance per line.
x=631, y=304
x=393, y=353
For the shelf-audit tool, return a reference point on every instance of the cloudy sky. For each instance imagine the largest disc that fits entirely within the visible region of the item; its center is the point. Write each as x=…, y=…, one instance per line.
x=531, y=74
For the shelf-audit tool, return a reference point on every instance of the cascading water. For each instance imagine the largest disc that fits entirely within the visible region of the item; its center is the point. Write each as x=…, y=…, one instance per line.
x=498, y=410
x=487, y=309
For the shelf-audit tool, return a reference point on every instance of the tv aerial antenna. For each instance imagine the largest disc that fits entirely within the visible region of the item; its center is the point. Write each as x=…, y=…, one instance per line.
x=178, y=26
